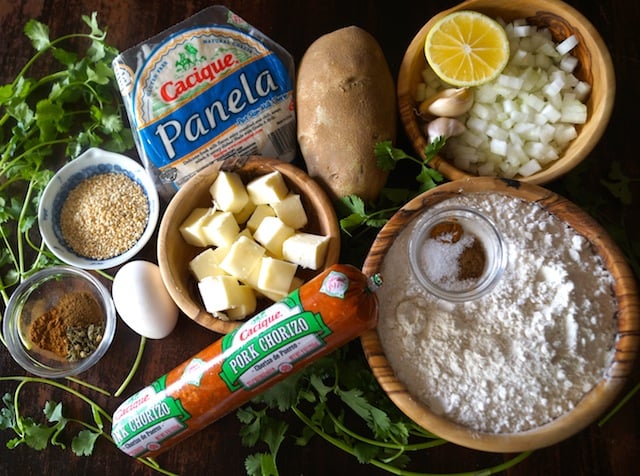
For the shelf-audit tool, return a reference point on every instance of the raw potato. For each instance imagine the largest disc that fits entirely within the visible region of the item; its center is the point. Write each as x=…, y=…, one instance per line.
x=346, y=103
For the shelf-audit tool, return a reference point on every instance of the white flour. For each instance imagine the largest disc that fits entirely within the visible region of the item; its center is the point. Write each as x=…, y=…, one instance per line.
x=520, y=356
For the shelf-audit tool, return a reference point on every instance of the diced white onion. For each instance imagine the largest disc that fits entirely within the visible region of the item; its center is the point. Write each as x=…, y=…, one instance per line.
x=567, y=45
x=524, y=119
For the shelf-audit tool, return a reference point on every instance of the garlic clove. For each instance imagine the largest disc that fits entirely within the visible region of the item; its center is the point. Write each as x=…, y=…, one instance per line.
x=449, y=102
x=444, y=127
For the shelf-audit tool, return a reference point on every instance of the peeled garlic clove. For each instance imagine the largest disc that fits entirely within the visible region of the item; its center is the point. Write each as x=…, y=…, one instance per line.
x=450, y=102
x=444, y=127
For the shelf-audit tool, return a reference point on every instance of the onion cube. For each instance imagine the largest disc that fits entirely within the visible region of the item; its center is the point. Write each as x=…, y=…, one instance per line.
x=529, y=168
x=498, y=147
x=567, y=45
x=568, y=63
x=551, y=113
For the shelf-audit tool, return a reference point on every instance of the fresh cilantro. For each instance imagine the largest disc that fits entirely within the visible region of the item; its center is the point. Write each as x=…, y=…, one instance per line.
x=360, y=221
x=331, y=398
x=39, y=435
x=42, y=119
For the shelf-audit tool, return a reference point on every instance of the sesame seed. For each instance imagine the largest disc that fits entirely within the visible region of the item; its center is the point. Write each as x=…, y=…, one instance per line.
x=104, y=215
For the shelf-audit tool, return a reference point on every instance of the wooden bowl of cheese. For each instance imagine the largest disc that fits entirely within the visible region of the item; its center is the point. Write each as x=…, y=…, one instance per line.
x=241, y=234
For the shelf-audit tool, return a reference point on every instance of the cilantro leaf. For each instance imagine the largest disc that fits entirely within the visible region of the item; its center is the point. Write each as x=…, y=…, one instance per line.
x=84, y=442
x=38, y=33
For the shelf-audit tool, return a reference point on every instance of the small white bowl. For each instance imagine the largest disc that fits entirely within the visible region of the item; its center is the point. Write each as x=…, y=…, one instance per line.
x=92, y=162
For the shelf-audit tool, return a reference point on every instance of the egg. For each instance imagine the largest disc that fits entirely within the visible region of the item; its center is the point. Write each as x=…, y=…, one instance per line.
x=142, y=300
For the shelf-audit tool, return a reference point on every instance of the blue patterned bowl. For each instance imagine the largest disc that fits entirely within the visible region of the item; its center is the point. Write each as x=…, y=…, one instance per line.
x=92, y=162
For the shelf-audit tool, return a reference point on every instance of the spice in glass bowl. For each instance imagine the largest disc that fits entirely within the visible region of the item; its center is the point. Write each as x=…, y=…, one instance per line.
x=71, y=329
x=59, y=322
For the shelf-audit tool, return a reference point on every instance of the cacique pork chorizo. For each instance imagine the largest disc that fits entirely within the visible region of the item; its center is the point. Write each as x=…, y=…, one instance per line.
x=323, y=314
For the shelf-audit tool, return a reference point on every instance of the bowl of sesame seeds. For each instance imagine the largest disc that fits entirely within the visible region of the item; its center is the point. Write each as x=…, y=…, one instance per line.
x=99, y=210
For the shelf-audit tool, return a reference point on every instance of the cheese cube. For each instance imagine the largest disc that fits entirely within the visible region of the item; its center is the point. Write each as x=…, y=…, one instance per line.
x=306, y=249
x=291, y=211
x=271, y=234
x=268, y=188
x=246, y=304
x=207, y=263
x=258, y=215
x=191, y=227
x=219, y=292
x=276, y=275
x=243, y=256
x=220, y=229
x=228, y=192
x=243, y=215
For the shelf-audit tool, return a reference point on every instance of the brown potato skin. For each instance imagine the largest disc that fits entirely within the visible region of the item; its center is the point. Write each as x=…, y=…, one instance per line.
x=346, y=103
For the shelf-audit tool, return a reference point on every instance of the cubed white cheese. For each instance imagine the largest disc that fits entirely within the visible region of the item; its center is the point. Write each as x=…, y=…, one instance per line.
x=258, y=215
x=268, y=188
x=207, y=263
x=243, y=215
x=245, y=305
x=191, y=227
x=271, y=234
x=219, y=293
x=276, y=275
x=306, y=249
x=220, y=228
x=243, y=256
x=291, y=211
x=228, y=192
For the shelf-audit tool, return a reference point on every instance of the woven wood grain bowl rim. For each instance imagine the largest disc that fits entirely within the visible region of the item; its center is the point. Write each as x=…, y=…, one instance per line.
x=628, y=317
x=562, y=20
x=174, y=253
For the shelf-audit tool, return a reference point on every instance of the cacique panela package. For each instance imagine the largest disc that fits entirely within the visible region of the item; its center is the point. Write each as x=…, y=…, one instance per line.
x=206, y=89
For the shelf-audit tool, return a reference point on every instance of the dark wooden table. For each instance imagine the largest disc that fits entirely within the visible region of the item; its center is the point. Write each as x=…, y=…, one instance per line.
x=599, y=451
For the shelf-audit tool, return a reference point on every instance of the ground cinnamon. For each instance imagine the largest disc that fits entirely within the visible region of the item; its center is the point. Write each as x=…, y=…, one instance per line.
x=76, y=310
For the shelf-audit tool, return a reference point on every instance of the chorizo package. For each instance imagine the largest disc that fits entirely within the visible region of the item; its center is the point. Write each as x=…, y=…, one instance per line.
x=323, y=314
x=206, y=89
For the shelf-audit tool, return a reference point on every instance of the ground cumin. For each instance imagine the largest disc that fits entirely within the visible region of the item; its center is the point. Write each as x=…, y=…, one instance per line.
x=73, y=310
x=472, y=259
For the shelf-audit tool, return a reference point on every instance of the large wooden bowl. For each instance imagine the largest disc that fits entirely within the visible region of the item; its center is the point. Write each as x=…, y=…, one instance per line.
x=628, y=322
x=595, y=67
x=174, y=253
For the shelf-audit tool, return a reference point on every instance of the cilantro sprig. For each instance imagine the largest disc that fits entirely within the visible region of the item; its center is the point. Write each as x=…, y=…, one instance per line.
x=45, y=120
x=334, y=399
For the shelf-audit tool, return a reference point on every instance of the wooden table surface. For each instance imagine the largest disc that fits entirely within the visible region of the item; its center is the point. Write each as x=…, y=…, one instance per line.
x=598, y=451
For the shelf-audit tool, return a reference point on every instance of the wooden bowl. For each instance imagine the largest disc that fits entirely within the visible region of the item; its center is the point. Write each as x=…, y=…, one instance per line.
x=628, y=322
x=562, y=20
x=174, y=253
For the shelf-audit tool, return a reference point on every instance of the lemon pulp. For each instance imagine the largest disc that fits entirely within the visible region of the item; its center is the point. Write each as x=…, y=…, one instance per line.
x=467, y=48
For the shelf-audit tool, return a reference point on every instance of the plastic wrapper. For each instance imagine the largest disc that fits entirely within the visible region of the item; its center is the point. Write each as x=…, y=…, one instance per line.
x=206, y=89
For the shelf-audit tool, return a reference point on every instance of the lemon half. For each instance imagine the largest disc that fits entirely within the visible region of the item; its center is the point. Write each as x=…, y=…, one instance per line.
x=467, y=48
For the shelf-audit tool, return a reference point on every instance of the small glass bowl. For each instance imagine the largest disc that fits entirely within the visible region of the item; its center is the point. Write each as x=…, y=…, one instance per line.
x=37, y=295
x=467, y=224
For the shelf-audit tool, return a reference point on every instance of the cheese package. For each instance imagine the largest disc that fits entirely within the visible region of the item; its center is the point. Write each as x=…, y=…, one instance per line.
x=206, y=89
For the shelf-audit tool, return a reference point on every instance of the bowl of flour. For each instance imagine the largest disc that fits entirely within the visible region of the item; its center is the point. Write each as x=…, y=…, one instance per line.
x=527, y=364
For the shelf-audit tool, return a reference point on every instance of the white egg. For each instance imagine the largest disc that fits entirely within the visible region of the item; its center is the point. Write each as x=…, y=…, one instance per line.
x=142, y=300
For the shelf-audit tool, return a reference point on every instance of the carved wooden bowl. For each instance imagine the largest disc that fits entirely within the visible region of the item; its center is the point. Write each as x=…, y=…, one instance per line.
x=595, y=67
x=595, y=402
x=174, y=253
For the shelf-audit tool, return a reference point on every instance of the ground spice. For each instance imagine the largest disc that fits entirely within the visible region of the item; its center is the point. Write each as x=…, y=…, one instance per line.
x=104, y=215
x=467, y=260
x=73, y=314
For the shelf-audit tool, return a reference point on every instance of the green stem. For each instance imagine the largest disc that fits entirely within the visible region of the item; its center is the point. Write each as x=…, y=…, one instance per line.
x=413, y=447
x=24, y=380
x=620, y=404
x=134, y=369
x=400, y=472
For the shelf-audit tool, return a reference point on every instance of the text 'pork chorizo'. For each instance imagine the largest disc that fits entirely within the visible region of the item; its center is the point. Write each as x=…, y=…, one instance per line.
x=323, y=314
